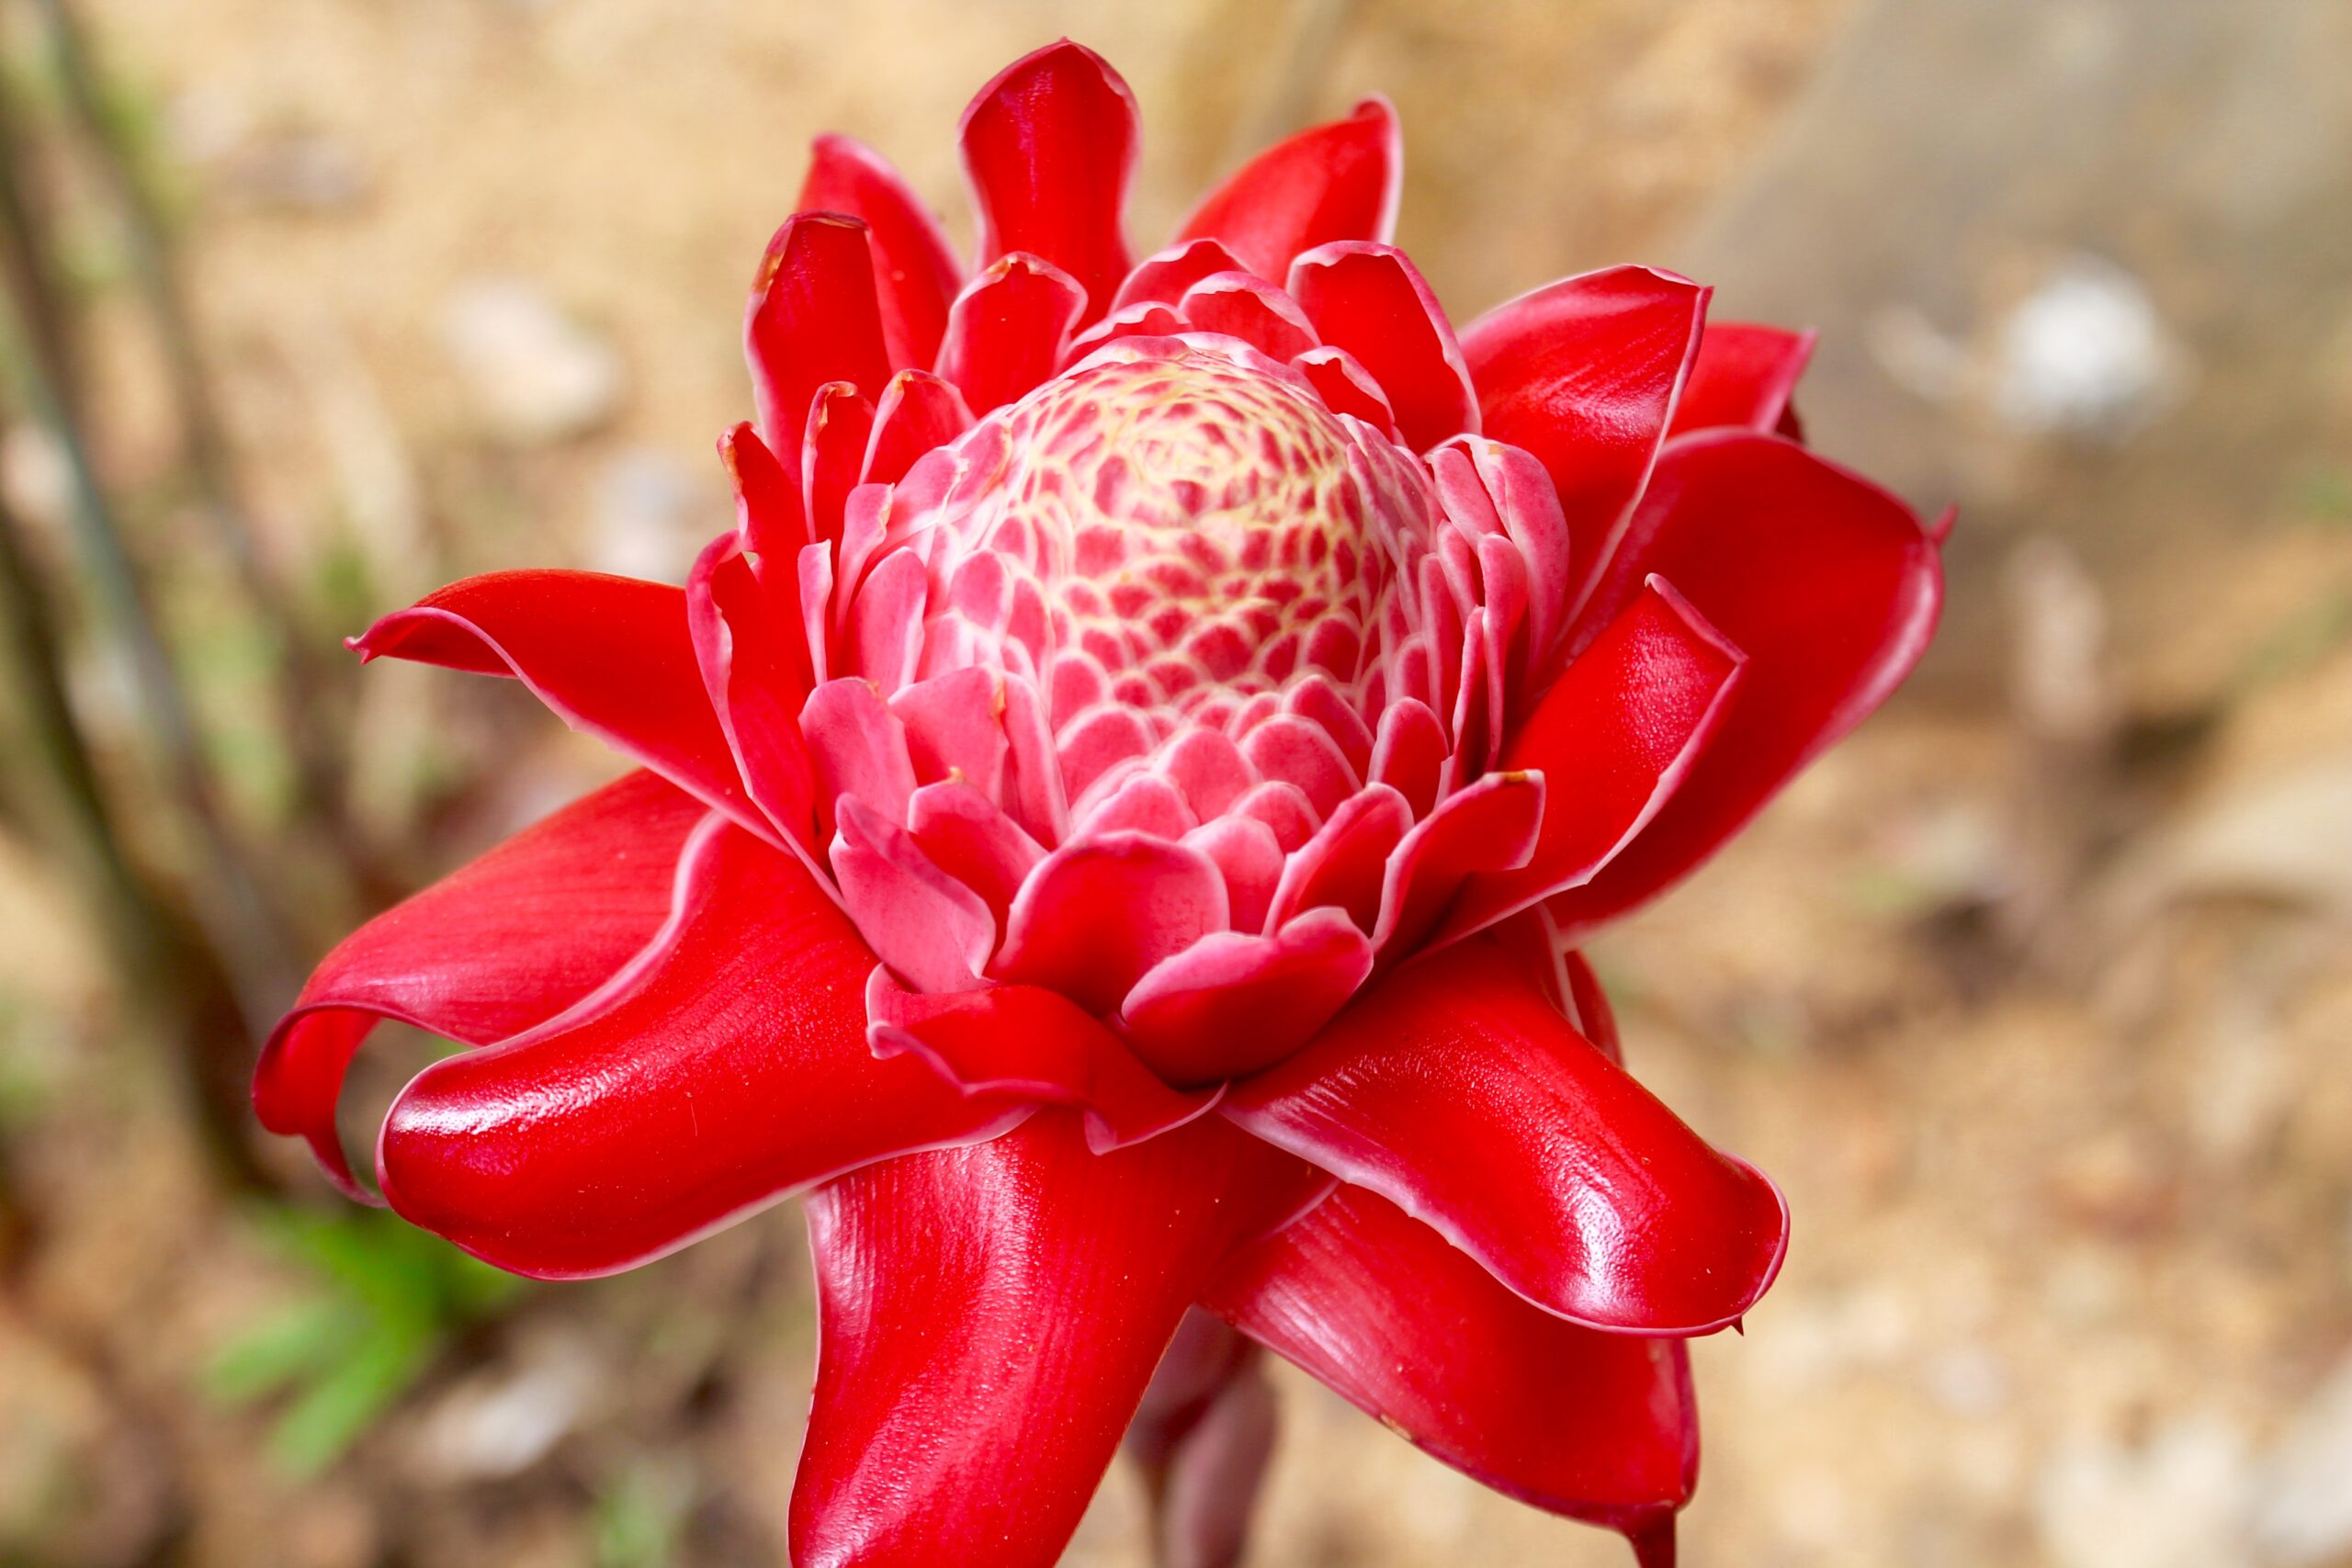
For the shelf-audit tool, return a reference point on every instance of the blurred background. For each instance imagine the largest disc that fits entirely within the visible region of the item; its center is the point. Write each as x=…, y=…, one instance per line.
x=2035, y=996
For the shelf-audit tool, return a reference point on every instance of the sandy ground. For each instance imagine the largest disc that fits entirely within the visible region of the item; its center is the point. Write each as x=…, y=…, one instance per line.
x=2034, y=997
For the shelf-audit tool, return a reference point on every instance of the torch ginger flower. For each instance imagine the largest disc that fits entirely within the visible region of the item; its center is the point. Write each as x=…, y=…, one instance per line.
x=1114, y=824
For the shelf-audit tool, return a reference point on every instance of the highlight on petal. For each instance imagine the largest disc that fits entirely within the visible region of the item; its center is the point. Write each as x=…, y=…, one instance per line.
x=1338, y=181
x=610, y=656
x=1233, y=1003
x=1007, y=330
x=917, y=411
x=988, y=1318
x=1600, y=1427
x=755, y=672
x=812, y=318
x=1615, y=737
x=1022, y=1043
x=1455, y=1089
x=1098, y=913
x=915, y=274
x=1369, y=299
x=1048, y=147
x=1584, y=373
x=505, y=942
x=1825, y=581
x=724, y=1068
x=1746, y=375
x=1163, y=275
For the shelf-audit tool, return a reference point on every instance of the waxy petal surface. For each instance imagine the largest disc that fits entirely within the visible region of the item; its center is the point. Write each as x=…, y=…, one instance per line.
x=1745, y=377
x=612, y=656
x=1825, y=582
x=812, y=318
x=1369, y=299
x=505, y=942
x=989, y=1319
x=726, y=1066
x=1456, y=1089
x=1048, y=146
x=1333, y=182
x=915, y=273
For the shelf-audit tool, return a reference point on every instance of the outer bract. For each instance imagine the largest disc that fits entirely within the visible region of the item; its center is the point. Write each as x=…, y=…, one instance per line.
x=1111, y=822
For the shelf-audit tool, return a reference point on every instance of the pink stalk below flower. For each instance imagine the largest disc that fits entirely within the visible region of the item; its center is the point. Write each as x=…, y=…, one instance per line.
x=1114, y=823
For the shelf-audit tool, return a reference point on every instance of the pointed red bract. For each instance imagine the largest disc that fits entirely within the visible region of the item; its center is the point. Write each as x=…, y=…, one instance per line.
x=1334, y=182
x=612, y=656
x=501, y=944
x=1379, y=1308
x=1825, y=582
x=915, y=273
x=1745, y=377
x=1007, y=330
x=1455, y=1089
x=812, y=318
x=726, y=1066
x=1369, y=300
x=1048, y=147
x=1584, y=373
x=989, y=1319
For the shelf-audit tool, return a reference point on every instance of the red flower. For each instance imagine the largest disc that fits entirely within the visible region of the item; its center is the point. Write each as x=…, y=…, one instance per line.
x=1114, y=823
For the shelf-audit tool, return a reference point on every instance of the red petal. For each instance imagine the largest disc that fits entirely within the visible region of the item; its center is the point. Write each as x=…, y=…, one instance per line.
x=1745, y=376
x=920, y=921
x=1251, y=308
x=610, y=656
x=1346, y=387
x=1493, y=825
x=1456, y=1091
x=1232, y=1003
x=1616, y=736
x=1048, y=146
x=1096, y=914
x=1335, y=182
x=497, y=946
x=755, y=672
x=1583, y=373
x=832, y=453
x=1342, y=865
x=1369, y=300
x=1600, y=1427
x=812, y=318
x=1165, y=275
x=915, y=273
x=917, y=411
x=1018, y=1042
x=728, y=1067
x=989, y=1318
x=1824, y=581
x=1008, y=328
x=768, y=504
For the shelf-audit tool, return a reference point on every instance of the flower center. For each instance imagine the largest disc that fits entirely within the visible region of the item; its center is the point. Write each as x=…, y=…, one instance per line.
x=1200, y=523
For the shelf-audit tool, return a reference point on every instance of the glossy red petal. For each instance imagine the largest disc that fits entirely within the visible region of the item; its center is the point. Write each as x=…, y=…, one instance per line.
x=1251, y=308
x=1048, y=146
x=832, y=453
x=1617, y=735
x=502, y=943
x=1338, y=181
x=755, y=672
x=1456, y=1089
x=1022, y=1043
x=1825, y=582
x=1163, y=275
x=915, y=274
x=726, y=1066
x=1346, y=387
x=1097, y=913
x=1369, y=299
x=917, y=411
x=610, y=656
x=1232, y=1003
x=1584, y=374
x=1745, y=377
x=812, y=318
x=1008, y=328
x=989, y=1319
x=1494, y=825
x=1374, y=1304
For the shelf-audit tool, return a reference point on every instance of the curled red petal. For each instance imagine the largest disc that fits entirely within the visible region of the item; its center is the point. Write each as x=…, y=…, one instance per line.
x=1825, y=581
x=1048, y=146
x=917, y=411
x=812, y=318
x=755, y=672
x=915, y=273
x=1008, y=328
x=502, y=943
x=832, y=453
x=1338, y=181
x=1098, y=913
x=1746, y=375
x=989, y=1319
x=1600, y=1427
x=1163, y=275
x=1251, y=308
x=1583, y=373
x=1455, y=1089
x=1617, y=735
x=726, y=1066
x=1495, y=824
x=1369, y=299
x=1020, y=1042
x=610, y=656
x=1232, y=1003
